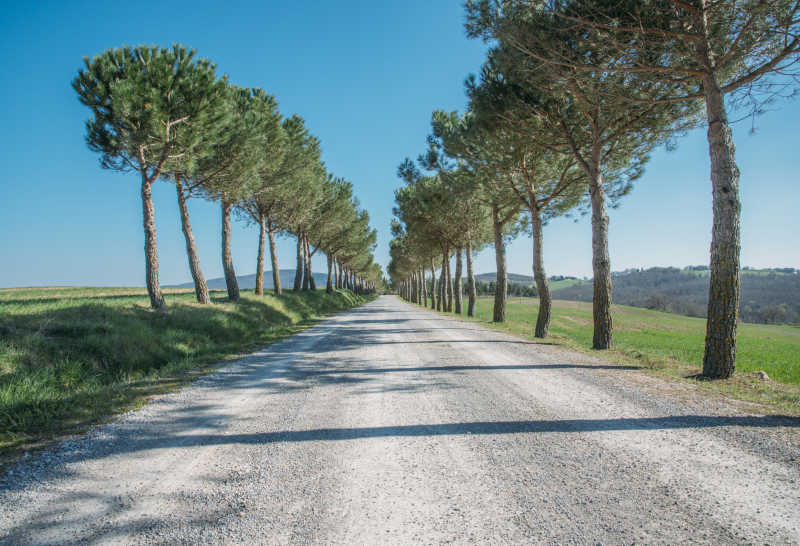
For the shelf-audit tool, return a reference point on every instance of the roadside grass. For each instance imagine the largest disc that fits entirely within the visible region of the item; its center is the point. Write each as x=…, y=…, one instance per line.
x=670, y=344
x=70, y=357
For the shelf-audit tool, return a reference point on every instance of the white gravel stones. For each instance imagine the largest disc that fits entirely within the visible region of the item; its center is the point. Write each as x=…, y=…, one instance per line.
x=389, y=424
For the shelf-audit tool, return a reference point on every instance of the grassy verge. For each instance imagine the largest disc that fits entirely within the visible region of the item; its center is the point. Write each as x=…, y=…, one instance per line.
x=70, y=357
x=671, y=344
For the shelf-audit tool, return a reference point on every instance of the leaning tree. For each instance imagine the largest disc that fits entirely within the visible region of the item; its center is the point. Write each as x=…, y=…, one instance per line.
x=255, y=143
x=143, y=101
x=545, y=179
x=584, y=114
x=464, y=138
x=689, y=50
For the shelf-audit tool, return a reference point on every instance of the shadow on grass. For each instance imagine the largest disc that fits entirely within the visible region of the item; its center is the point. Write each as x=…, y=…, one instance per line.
x=76, y=363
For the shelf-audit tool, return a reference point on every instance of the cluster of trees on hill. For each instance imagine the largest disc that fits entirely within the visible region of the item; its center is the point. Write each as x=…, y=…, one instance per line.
x=164, y=114
x=515, y=289
x=768, y=297
x=571, y=100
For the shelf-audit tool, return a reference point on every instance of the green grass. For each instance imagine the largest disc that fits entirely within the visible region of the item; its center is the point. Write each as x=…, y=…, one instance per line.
x=672, y=344
x=70, y=357
x=566, y=283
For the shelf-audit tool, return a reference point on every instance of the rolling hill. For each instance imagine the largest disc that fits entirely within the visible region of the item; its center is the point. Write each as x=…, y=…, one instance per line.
x=768, y=295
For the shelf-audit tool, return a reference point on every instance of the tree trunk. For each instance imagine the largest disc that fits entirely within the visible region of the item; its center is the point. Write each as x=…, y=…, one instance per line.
x=440, y=305
x=227, y=258
x=329, y=284
x=601, y=263
x=433, y=285
x=501, y=286
x=440, y=289
x=262, y=242
x=542, y=285
x=306, y=259
x=424, y=289
x=273, y=254
x=200, y=286
x=298, y=273
x=150, y=248
x=312, y=284
x=470, y=281
x=458, y=289
x=449, y=285
x=719, y=360
x=339, y=279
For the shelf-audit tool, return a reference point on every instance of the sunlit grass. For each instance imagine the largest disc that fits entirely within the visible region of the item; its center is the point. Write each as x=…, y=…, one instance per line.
x=671, y=343
x=72, y=356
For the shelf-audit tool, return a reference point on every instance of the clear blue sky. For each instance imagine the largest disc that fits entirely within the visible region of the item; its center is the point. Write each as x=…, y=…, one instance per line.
x=366, y=76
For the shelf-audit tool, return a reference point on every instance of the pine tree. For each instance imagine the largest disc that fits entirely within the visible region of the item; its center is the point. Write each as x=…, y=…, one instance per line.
x=145, y=102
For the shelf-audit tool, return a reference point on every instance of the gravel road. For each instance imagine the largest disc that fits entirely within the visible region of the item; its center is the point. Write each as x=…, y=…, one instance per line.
x=390, y=424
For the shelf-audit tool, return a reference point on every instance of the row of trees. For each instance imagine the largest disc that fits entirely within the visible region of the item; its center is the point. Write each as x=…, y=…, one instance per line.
x=165, y=114
x=572, y=98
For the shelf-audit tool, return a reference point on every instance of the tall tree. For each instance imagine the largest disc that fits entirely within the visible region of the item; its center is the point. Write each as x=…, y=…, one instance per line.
x=700, y=50
x=142, y=100
x=255, y=143
x=464, y=138
x=546, y=180
x=583, y=112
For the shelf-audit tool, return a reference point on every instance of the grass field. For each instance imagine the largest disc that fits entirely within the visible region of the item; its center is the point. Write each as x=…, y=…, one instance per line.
x=566, y=283
x=672, y=344
x=73, y=356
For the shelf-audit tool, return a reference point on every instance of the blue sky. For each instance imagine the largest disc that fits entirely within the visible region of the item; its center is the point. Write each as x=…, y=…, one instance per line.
x=365, y=76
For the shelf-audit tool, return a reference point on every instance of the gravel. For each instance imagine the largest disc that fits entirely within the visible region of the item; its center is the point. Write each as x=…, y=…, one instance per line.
x=392, y=424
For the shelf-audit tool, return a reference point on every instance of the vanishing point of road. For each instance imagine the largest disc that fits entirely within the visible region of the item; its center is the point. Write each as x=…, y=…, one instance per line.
x=391, y=424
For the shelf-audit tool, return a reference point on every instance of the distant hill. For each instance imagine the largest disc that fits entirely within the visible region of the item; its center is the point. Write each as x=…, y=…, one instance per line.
x=768, y=295
x=248, y=282
x=512, y=277
x=556, y=281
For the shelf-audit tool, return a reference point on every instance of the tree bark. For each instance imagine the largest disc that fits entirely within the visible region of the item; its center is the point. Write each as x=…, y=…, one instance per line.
x=312, y=284
x=306, y=259
x=440, y=305
x=433, y=285
x=262, y=242
x=200, y=286
x=298, y=274
x=458, y=288
x=150, y=247
x=542, y=284
x=329, y=284
x=501, y=286
x=719, y=359
x=424, y=289
x=470, y=281
x=227, y=258
x=339, y=279
x=449, y=285
x=601, y=262
x=273, y=254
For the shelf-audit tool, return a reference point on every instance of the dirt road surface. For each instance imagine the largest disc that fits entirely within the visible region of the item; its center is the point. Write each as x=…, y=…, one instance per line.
x=390, y=424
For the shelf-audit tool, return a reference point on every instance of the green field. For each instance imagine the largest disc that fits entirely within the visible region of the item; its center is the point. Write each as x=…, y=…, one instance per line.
x=72, y=356
x=669, y=342
x=566, y=283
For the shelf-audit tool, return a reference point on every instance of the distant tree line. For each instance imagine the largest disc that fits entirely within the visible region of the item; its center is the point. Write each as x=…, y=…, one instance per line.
x=166, y=115
x=768, y=297
x=570, y=102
